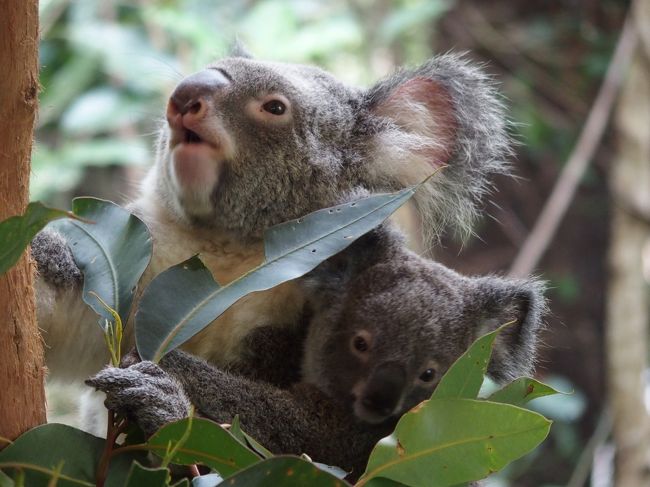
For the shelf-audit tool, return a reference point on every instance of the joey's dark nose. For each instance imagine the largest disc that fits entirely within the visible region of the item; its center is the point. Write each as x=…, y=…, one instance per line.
x=192, y=94
x=384, y=389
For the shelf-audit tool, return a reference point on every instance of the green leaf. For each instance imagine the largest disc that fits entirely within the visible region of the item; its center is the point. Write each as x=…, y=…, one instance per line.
x=522, y=390
x=246, y=439
x=140, y=476
x=444, y=442
x=40, y=451
x=207, y=443
x=284, y=471
x=184, y=299
x=5, y=480
x=17, y=232
x=112, y=253
x=465, y=376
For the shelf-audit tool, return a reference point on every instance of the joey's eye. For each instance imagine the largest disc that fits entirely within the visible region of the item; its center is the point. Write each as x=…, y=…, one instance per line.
x=428, y=375
x=275, y=107
x=360, y=343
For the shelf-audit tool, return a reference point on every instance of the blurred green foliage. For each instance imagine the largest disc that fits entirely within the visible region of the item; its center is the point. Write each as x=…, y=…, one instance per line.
x=106, y=67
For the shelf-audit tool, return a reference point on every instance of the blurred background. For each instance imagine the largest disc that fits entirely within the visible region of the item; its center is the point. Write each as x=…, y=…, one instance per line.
x=107, y=68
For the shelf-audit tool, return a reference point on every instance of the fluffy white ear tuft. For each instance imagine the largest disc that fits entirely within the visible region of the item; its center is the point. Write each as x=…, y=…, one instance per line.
x=238, y=49
x=497, y=301
x=444, y=115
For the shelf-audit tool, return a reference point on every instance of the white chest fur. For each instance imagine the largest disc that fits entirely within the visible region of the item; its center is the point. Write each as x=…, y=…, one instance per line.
x=227, y=259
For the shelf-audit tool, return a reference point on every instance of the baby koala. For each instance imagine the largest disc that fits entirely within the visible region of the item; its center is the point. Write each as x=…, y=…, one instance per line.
x=385, y=324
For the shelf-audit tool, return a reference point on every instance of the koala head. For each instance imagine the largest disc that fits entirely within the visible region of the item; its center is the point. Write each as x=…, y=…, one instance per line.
x=381, y=340
x=248, y=144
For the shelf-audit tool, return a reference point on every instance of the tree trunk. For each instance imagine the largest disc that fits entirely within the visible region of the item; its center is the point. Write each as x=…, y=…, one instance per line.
x=22, y=395
x=628, y=303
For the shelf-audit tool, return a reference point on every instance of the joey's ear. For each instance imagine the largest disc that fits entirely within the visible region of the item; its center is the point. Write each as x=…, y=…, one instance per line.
x=238, y=49
x=443, y=113
x=501, y=300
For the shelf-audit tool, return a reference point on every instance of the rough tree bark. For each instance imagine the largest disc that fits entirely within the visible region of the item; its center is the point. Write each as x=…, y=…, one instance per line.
x=22, y=395
x=628, y=303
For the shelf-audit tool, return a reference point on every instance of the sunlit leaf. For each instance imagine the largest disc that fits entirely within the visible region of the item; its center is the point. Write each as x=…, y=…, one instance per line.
x=444, y=442
x=522, y=390
x=207, y=444
x=465, y=376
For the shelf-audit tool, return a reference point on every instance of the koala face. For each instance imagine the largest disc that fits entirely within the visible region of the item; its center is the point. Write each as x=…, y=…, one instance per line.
x=248, y=144
x=383, y=345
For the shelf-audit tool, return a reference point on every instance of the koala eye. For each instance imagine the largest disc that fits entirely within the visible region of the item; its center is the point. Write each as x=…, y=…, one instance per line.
x=359, y=343
x=275, y=107
x=428, y=375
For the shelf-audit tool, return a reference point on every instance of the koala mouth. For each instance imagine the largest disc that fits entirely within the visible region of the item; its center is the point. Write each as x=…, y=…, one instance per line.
x=190, y=137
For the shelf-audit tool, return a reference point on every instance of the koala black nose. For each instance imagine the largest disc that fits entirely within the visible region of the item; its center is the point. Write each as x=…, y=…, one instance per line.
x=384, y=388
x=191, y=95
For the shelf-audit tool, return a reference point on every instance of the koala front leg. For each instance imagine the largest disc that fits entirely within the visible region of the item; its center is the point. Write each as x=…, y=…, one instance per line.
x=74, y=343
x=293, y=421
x=144, y=393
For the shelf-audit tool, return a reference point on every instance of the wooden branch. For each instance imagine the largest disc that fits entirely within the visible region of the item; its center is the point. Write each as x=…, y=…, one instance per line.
x=628, y=300
x=22, y=395
x=558, y=202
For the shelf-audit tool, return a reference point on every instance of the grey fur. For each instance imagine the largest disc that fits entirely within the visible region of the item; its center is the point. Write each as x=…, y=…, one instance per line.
x=54, y=260
x=144, y=393
x=331, y=145
x=415, y=313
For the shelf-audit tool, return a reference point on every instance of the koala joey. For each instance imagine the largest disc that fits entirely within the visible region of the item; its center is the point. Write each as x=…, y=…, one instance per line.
x=247, y=144
x=385, y=325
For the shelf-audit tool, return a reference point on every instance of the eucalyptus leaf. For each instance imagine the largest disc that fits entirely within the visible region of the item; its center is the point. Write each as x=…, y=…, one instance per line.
x=40, y=451
x=5, y=480
x=522, y=390
x=246, y=439
x=184, y=299
x=207, y=443
x=140, y=476
x=112, y=252
x=284, y=471
x=444, y=442
x=465, y=376
x=18, y=231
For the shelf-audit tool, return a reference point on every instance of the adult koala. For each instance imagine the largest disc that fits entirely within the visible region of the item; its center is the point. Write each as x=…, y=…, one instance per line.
x=249, y=144
x=386, y=324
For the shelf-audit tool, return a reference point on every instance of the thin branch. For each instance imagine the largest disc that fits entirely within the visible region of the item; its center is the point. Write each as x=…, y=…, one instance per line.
x=567, y=183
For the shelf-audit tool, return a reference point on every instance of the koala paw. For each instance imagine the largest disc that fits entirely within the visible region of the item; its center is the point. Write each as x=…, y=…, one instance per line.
x=144, y=393
x=54, y=260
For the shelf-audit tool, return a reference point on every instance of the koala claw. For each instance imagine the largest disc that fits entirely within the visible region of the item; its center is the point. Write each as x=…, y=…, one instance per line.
x=144, y=393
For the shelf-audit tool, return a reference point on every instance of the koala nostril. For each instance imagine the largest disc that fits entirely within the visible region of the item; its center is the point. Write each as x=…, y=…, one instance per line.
x=195, y=106
x=191, y=94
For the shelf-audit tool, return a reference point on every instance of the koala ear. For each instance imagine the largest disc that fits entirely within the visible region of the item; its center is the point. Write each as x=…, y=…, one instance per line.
x=498, y=301
x=238, y=49
x=443, y=113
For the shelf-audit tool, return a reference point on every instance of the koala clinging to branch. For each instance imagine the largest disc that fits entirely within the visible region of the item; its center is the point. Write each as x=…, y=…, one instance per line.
x=248, y=144
x=385, y=326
